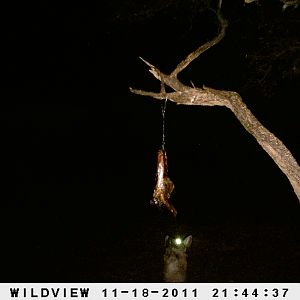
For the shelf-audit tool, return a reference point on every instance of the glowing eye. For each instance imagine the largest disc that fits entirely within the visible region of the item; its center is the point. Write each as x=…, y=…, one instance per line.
x=178, y=241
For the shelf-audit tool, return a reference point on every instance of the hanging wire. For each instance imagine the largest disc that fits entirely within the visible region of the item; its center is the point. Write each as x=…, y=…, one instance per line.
x=163, y=113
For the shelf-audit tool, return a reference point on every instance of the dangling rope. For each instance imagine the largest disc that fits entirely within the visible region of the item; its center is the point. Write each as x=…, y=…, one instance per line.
x=164, y=186
x=163, y=113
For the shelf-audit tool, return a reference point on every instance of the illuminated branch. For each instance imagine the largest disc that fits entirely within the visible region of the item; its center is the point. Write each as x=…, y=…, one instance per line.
x=184, y=63
x=205, y=96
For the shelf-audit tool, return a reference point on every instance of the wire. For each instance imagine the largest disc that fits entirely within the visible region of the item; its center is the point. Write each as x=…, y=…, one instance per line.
x=163, y=113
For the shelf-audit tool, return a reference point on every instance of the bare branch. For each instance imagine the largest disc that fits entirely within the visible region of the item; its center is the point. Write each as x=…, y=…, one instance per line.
x=232, y=100
x=183, y=64
x=210, y=97
x=159, y=96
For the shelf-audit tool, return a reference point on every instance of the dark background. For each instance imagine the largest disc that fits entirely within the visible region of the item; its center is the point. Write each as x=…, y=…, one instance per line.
x=79, y=150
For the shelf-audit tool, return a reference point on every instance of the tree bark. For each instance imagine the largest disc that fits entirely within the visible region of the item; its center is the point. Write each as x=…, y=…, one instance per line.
x=205, y=96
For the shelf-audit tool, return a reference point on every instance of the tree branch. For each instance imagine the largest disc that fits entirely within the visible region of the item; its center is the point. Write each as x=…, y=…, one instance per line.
x=184, y=63
x=210, y=97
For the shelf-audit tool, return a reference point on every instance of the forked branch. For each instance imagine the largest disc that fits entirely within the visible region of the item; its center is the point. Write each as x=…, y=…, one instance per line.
x=205, y=96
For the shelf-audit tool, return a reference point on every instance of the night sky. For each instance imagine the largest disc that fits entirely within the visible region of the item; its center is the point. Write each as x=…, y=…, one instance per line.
x=80, y=150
